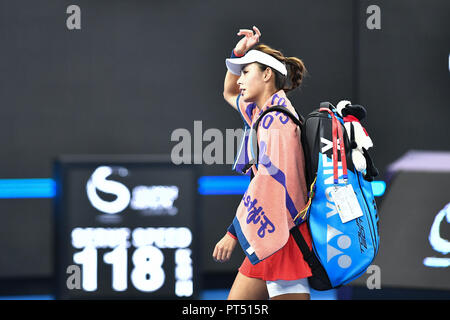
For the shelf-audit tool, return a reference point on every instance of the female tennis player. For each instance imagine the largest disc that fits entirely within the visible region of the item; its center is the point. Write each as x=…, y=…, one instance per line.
x=259, y=77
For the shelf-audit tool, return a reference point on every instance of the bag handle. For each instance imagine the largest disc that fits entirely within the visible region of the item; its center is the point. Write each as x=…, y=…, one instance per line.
x=337, y=131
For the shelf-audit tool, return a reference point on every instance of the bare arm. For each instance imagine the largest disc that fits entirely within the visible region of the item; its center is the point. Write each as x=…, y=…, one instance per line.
x=230, y=87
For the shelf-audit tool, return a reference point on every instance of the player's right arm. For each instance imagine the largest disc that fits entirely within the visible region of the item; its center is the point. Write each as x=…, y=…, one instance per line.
x=231, y=89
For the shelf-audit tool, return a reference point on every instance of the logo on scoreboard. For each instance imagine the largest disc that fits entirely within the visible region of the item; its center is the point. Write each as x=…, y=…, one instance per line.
x=150, y=200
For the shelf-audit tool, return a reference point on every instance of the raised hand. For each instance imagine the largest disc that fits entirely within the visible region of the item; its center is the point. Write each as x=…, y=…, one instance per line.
x=248, y=41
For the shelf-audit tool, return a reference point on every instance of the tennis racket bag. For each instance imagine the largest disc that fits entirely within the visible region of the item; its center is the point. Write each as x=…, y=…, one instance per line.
x=341, y=212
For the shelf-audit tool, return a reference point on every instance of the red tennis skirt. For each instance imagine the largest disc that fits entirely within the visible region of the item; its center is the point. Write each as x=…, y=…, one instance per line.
x=286, y=264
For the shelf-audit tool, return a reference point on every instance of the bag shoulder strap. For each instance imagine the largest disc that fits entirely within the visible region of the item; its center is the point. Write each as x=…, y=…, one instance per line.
x=254, y=129
x=281, y=109
x=319, y=279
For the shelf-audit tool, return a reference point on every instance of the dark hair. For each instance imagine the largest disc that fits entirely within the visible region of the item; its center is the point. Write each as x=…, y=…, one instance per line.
x=295, y=67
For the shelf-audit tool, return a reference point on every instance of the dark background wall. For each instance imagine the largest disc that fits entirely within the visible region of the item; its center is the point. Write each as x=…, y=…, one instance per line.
x=404, y=76
x=137, y=70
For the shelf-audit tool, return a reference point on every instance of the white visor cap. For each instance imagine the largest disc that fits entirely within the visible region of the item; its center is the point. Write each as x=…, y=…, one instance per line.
x=235, y=65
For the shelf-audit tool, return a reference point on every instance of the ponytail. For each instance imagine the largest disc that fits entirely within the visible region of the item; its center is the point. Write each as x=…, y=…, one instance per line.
x=296, y=72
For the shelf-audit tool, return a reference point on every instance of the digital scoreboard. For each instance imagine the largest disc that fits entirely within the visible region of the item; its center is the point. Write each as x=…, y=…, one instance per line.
x=126, y=227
